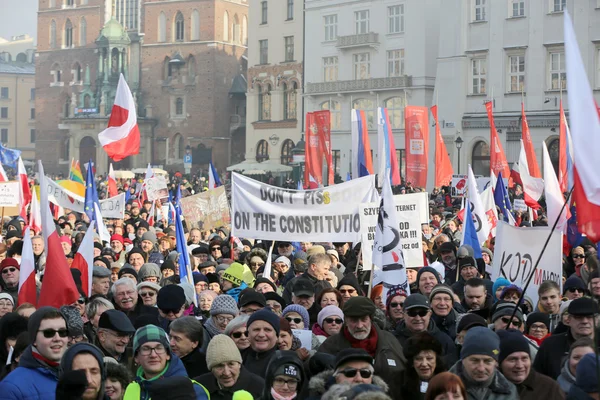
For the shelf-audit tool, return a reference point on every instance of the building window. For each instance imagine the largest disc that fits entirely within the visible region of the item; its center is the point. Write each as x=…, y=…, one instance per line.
x=330, y=69
x=330, y=27
x=478, y=73
x=4, y=112
x=179, y=106
x=361, y=22
x=82, y=31
x=289, y=48
x=518, y=8
x=87, y=101
x=236, y=29
x=179, y=27
x=290, y=9
x=516, y=73
x=264, y=103
x=558, y=72
x=4, y=93
x=336, y=155
x=264, y=12
x=262, y=151
x=395, y=107
x=162, y=28
x=68, y=39
x=244, y=30
x=369, y=108
x=32, y=113
x=4, y=135
x=53, y=34
x=264, y=51
x=70, y=2
x=479, y=10
x=286, y=152
x=32, y=94
x=362, y=66
x=289, y=100
x=401, y=156
x=335, y=112
x=32, y=135
x=558, y=5
x=396, y=19
x=195, y=28
x=480, y=158
x=395, y=62
x=226, y=27
x=77, y=75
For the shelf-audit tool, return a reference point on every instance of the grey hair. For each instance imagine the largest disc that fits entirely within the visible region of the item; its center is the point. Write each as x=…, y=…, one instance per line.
x=235, y=323
x=121, y=282
x=190, y=327
x=319, y=259
x=92, y=307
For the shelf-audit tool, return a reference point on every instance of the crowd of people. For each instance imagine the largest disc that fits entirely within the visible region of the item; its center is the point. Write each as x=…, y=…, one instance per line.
x=312, y=329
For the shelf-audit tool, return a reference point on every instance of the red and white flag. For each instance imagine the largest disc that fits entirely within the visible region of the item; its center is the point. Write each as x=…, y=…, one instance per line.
x=487, y=199
x=151, y=214
x=84, y=260
x=479, y=212
x=534, y=169
x=3, y=176
x=112, y=182
x=122, y=137
x=35, y=215
x=553, y=194
x=59, y=287
x=532, y=187
x=27, y=287
x=24, y=189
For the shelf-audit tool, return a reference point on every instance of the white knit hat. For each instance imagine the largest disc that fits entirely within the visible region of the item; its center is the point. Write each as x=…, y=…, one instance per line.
x=222, y=349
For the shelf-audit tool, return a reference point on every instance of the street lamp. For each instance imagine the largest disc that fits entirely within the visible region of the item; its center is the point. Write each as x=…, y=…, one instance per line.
x=458, y=142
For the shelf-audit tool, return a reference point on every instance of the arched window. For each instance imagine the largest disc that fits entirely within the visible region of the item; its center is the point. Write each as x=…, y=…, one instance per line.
x=53, y=34
x=162, y=28
x=179, y=27
x=289, y=100
x=264, y=102
x=179, y=147
x=21, y=57
x=262, y=150
x=67, y=107
x=245, y=31
x=77, y=74
x=68, y=39
x=57, y=73
x=369, y=107
x=87, y=103
x=554, y=152
x=480, y=158
x=167, y=69
x=226, y=27
x=335, y=112
x=236, y=29
x=286, y=152
x=82, y=31
x=191, y=66
x=179, y=106
x=195, y=34
x=395, y=106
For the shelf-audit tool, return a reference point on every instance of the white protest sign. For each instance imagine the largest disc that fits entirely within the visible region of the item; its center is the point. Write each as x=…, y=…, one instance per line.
x=411, y=211
x=519, y=205
x=305, y=337
x=328, y=214
x=458, y=185
x=9, y=194
x=156, y=188
x=517, y=251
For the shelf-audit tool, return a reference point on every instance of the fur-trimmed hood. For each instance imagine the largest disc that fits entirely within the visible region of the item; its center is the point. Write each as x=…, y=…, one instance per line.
x=355, y=392
x=323, y=383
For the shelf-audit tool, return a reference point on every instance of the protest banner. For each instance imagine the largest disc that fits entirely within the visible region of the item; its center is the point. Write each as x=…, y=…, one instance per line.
x=206, y=210
x=328, y=214
x=412, y=210
x=416, y=144
x=9, y=194
x=156, y=188
x=519, y=205
x=517, y=251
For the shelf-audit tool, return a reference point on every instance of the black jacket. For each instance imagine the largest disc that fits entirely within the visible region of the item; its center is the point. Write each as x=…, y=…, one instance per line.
x=552, y=353
x=195, y=363
x=319, y=286
x=577, y=394
x=246, y=381
x=448, y=323
x=139, y=309
x=449, y=353
x=257, y=362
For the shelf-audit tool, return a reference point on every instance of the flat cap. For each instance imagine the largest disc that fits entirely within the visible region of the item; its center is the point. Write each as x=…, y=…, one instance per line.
x=358, y=307
x=117, y=321
x=101, y=272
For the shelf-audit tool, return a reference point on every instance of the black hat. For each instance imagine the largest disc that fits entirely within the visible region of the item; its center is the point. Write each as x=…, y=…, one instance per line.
x=512, y=341
x=289, y=369
x=466, y=262
x=537, y=317
x=174, y=388
x=98, y=246
x=128, y=269
x=416, y=300
x=470, y=320
x=168, y=264
x=446, y=247
x=170, y=297
x=207, y=264
x=352, y=354
x=198, y=277
x=303, y=287
x=276, y=297
x=252, y=297
x=583, y=306
x=260, y=280
x=358, y=306
x=200, y=250
x=350, y=280
x=212, y=278
x=143, y=224
x=116, y=320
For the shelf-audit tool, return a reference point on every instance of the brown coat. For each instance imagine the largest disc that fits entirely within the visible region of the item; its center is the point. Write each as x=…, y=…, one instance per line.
x=539, y=386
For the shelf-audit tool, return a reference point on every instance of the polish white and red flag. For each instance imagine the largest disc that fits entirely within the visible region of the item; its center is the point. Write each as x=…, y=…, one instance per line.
x=27, y=287
x=84, y=260
x=3, y=176
x=533, y=188
x=122, y=137
x=24, y=189
x=35, y=215
x=112, y=182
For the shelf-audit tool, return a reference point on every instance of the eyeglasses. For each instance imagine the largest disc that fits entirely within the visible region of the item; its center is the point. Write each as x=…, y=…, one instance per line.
x=249, y=311
x=256, y=264
x=575, y=290
x=349, y=291
x=49, y=333
x=294, y=320
x=8, y=270
x=506, y=320
x=420, y=312
x=237, y=335
x=147, y=294
x=394, y=304
x=222, y=320
x=332, y=320
x=280, y=382
x=578, y=256
x=146, y=351
x=215, y=248
x=365, y=373
x=81, y=301
x=541, y=327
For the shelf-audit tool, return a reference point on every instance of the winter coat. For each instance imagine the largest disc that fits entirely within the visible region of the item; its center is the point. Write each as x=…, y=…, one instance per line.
x=279, y=358
x=448, y=323
x=538, y=386
x=31, y=380
x=195, y=363
x=140, y=387
x=449, y=353
x=577, y=394
x=499, y=389
x=318, y=285
x=246, y=381
x=552, y=353
x=389, y=357
x=566, y=379
x=323, y=385
x=257, y=362
x=138, y=310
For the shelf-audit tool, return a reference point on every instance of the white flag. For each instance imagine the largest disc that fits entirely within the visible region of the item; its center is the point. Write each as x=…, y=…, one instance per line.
x=480, y=218
x=554, y=197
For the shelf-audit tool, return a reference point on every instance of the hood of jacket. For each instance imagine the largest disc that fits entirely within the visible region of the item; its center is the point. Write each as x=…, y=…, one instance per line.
x=565, y=373
x=279, y=358
x=499, y=382
x=322, y=382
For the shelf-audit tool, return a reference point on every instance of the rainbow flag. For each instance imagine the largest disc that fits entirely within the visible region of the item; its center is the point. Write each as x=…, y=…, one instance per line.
x=75, y=172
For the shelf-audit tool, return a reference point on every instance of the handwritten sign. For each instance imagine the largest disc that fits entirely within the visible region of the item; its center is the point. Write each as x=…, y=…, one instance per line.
x=9, y=194
x=156, y=188
x=207, y=210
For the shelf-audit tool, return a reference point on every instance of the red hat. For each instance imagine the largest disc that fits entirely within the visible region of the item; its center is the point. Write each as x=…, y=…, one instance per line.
x=9, y=262
x=65, y=239
x=117, y=237
x=127, y=241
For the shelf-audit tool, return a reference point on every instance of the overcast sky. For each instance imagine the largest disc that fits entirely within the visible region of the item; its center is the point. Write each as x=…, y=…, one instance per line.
x=18, y=17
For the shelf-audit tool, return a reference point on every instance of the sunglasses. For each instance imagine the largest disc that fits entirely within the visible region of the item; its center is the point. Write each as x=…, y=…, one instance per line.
x=170, y=310
x=81, y=301
x=294, y=320
x=420, y=312
x=147, y=294
x=215, y=248
x=349, y=291
x=575, y=290
x=332, y=320
x=506, y=320
x=237, y=335
x=394, y=304
x=578, y=256
x=9, y=270
x=351, y=372
x=256, y=264
x=49, y=333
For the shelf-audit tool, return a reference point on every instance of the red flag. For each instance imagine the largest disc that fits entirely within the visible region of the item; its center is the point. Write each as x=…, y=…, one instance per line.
x=84, y=261
x=151, y=214
x=443, y=166
x=35, y=216
x=59, y=287
x=112, y=182
x=498, y=161
x=323, y=121
x=122, y=136
x=27, y=287
x=24, y=190
x=416, y=144
x=534, y=168
x=563, y=176
x=313, y=152
x=588, y=214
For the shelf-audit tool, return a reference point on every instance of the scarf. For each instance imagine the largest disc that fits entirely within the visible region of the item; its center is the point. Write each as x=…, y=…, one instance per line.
x=369, y=344
x=317, y=330
x=211, y=328
x=277, y=396
x=43, y=360
x=536, y=340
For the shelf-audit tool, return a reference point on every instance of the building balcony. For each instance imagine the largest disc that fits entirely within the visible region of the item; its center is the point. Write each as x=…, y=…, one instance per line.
x=361, y=85
x=370, y=39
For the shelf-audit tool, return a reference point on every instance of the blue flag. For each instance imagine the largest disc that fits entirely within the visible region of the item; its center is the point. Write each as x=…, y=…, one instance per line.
x=177, y=199
x=184, y=257
x=501, y=198
x=91, y=194
x=470, y=233
x=9, y=157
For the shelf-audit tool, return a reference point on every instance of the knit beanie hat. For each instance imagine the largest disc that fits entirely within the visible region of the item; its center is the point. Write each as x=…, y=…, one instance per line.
x=441, y=289
x=234, y=274
x=512, y=341
x=350, y=280
x=573, y=282
x=509, y=288
x=468, y=321
x=198, y=277
x=150, y=236
x=170, y=297
x=430, y=270
x=480, y=341
x=9, y=262
x=224, y=304
x=74, y=320
x=537, y=317
x=265, y=280
x=393, y=292
x=128, y=269
x=328, y=312
x=150, y=333
x=35, y=320
x=587, y=373
x=265, y=315
x=168, y=264
x=506, y=308
x=299, y=310
x=7, y=296
x=500, y=282
x=221, y=349
x=148, y=270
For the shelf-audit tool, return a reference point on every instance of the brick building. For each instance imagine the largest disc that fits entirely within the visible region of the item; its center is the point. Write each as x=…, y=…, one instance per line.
x=184, y=62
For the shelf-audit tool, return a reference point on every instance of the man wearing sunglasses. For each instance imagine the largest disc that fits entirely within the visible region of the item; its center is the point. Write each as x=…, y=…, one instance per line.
x=9, y=269
x=501, y=317
x=37, y=374
x=114, y=334
x=573, y=288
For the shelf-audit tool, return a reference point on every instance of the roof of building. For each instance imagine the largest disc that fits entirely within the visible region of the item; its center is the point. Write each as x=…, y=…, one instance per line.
x=239, y=85
x=17, y=68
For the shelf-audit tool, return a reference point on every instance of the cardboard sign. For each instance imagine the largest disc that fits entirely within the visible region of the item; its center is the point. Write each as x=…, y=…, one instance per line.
x=9, y=194
x=519, y=205
x=156, y=188
x=207, y=210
